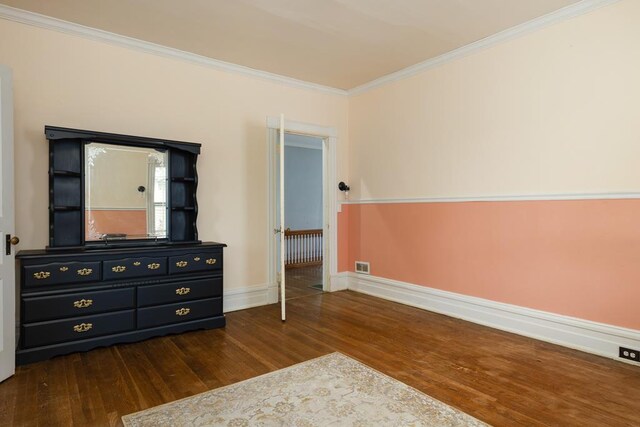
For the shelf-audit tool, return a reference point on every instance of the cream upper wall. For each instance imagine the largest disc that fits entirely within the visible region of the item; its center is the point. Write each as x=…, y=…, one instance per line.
x=556, y=111
x=70, y=81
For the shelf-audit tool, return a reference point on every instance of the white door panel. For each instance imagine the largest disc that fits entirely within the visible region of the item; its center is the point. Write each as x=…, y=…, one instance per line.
x=283, y=308
x=7, y=266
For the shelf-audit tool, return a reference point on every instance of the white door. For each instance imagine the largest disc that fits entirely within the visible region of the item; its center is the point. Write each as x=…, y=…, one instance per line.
x=7, y=265
x=283, y=308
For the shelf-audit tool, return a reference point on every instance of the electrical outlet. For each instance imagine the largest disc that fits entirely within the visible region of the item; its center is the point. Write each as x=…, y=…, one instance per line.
x=629, y=354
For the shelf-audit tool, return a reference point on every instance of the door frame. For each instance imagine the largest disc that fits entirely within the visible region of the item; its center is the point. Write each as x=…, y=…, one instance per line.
x=329, y=136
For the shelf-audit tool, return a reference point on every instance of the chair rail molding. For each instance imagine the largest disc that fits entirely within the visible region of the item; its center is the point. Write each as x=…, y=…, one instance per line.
x=497, y=198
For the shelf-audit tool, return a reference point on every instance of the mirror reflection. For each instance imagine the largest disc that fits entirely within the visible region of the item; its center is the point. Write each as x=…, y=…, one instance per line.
x=125, y=192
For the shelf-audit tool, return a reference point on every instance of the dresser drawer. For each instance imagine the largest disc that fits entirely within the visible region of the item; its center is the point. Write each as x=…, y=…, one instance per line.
x=61, y=272
x=181, y=291
x=192, y=263
x=36, y=309
x=127, y=268
x=77, y=328
x=181, y=312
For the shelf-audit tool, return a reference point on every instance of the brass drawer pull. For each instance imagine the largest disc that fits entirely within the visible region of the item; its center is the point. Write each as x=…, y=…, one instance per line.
x=83, y=327
x=85, y=271
x=183, y=291
x=181, y=264
x=211, y=261
x=83, y=303
x=153, y=266
x=136, y=263
x=196, y=259
x=42, y=275
x=118, y=268
x=63, y=269
x=182, y=311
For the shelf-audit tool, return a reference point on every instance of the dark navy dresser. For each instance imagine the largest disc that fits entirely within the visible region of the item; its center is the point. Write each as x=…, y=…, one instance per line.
x=78, y=300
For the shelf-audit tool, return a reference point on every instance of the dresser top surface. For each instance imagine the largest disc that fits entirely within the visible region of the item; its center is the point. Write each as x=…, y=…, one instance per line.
x=152, y=249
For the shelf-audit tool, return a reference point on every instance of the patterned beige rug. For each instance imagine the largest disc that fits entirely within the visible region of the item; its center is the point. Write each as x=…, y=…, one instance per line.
x=332, y=390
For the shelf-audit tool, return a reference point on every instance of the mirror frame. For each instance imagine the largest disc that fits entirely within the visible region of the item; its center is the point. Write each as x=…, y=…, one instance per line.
x=67, y=188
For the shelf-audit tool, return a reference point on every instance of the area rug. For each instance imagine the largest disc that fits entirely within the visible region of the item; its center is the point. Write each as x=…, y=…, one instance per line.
x=333, y=390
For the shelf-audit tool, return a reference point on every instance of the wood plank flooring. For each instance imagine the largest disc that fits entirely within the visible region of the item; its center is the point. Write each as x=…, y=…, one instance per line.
x=501, y=378
x=299, y=281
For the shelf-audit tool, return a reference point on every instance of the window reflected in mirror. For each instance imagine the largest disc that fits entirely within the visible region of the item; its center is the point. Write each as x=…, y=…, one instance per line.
x=125, y=192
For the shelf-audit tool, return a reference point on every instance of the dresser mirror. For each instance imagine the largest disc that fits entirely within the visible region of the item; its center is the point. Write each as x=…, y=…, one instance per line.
x=125, y=192
x=119, y=190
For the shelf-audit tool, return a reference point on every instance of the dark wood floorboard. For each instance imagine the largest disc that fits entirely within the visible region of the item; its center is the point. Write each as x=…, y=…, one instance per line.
x=300, y=279
x=500, y=378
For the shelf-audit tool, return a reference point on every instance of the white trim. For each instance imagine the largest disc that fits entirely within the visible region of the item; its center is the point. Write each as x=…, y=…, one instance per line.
x=528, y=27
x=506, y=198
x=579, y=334
x=340, y=281
x=42, y=21
x=272, y=250
x=303, y=128
x=46, y=22
x=247, y=297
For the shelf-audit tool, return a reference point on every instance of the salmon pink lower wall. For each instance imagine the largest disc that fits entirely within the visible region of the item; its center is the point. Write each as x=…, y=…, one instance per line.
x=343, y=240
x=577, y=258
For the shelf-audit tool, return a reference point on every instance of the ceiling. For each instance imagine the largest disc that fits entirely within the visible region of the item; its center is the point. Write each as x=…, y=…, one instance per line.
x=337, y=43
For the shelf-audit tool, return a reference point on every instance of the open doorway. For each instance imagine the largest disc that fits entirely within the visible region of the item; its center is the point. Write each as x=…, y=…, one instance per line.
x=304, y=213
x=277, y=129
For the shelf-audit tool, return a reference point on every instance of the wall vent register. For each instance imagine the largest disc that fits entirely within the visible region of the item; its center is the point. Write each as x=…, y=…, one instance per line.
x=362, y=267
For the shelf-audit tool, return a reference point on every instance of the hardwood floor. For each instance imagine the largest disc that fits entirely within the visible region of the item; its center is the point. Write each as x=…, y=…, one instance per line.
x=500, y=378
x=299, y=281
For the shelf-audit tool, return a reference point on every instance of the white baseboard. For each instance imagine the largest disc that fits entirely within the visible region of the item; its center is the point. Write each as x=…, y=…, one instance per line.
x=249, y=296
x=273, y=293
x=579, y=334
x=254, y=296
x=339, y=282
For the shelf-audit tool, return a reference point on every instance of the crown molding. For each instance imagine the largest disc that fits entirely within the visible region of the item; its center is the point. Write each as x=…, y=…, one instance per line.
x=559, y=15
x=42, y=21
x=49, y=23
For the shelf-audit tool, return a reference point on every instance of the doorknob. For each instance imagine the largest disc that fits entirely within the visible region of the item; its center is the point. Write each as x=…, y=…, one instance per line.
x=10, y=241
